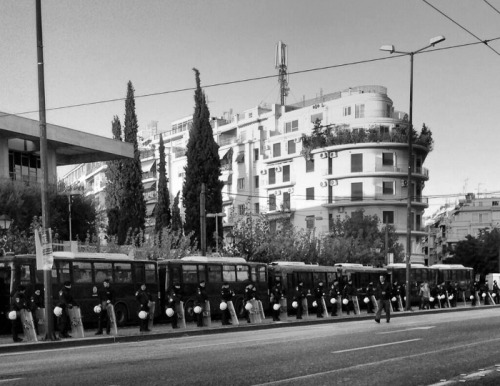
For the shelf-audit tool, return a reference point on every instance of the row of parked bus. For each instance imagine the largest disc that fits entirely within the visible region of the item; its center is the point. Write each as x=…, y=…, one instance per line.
x=87, y=271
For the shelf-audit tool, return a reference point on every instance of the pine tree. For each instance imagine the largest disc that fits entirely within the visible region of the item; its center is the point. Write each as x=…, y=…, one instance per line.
x=132, y=205
x=176, y=215
x=162, y=212
x=203, y=166
x=114, y=183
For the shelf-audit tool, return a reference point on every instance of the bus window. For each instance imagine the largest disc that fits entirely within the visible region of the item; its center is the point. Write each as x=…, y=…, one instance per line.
x=306, y=278
x=150, y=273
x=176, y=275
x=25, y=277
x=201, y=273
x=317, y=277
x=330, y=277
x=103, y=271
x=82, y=272
x=214, y=273
x=228, y=273
x=261, y=274
x=242, y=273
x=63, y=271
x=123, y=273
x=189, y=274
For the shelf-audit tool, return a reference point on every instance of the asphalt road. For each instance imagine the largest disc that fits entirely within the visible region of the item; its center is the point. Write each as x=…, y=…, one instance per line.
x=430, y=349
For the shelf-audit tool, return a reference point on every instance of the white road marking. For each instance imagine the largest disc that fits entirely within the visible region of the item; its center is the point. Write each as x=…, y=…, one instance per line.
x=10, y=380
x=376, y=345
x=407, y=329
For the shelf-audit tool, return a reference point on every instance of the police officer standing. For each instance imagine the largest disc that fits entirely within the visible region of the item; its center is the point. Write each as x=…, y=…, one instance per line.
x=276, y=296
x=143, y=297
x=319, y=293
x=300, y=295
x=200, y=298
x=226, y=295
x=383, y=295
x=249, y=295
x=174, y=298
x=18, y=303
x=66, y=302
x=496, y=291
x=348, y=293
x=106, y=296
x=334, y=294
x=370, y=291
x=36, y=302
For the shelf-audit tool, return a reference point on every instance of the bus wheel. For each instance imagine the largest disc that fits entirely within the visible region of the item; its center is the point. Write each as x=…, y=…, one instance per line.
x=189, y=311
x=121, y=314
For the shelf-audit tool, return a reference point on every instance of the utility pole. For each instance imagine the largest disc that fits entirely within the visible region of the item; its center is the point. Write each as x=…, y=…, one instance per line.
x=47, y=274
x=203, y=221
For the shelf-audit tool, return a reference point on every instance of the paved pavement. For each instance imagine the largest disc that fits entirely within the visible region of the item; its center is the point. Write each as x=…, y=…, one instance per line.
x=165, y=331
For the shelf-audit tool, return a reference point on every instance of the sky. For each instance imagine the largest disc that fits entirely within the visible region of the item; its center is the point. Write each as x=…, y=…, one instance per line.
x=92, y=48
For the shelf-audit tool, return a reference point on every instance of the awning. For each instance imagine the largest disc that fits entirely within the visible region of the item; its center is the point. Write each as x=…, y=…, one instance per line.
x=279, y=215
x=151, y=185
x=240, y=158
x=150, y=209
x=228, y=156
x=148, y=165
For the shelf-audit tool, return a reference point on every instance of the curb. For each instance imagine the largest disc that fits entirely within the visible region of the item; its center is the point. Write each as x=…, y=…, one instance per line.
x=91, y=341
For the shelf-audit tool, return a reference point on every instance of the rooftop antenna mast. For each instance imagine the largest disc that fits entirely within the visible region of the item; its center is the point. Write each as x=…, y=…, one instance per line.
x=281, y=60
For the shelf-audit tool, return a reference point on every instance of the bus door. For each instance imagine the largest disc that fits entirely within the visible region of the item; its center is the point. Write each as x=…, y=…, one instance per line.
x=83, y=289
x=60, y=274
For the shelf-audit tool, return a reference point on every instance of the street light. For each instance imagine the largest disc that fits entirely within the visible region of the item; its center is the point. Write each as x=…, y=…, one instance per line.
x=216, y=227
x=5, y=222
x=392, y=50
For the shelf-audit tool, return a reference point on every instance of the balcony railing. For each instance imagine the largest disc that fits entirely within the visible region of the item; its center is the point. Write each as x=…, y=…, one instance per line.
x=382, y=198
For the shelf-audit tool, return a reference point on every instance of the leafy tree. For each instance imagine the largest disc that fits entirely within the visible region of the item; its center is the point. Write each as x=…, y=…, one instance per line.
x=203, y=166
x=132, y=207
x=176, y=215
x=162, y=212
x=113, y=188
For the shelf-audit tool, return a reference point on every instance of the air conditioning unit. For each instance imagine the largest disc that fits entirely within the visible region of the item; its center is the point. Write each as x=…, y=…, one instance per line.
x=404, y=183
x=333, y=183
x=290, y=190
x=297, y=140
x=263, y=171
x=278, y=168
x=277, y=192
x=323, y=155
x=323, y=184
x=333, y=154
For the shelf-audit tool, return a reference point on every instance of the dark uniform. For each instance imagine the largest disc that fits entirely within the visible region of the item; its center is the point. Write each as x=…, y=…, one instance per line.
x=226, y=295
x=300, y=294
x=434, y=295
x=250, y=294
x=452, y=293
x=441, y=295
x=319, y=293
x=383, y=295
x=370, y=291
x=143, y=297
x=276, y=295
x=18, y=303
x=200, y=298
x=66, y=302
x=173, y=300
x=106, y=296
x=36, y=302
x=348, y=293
x=496, y=291
x=334, y=294
x=394, y=295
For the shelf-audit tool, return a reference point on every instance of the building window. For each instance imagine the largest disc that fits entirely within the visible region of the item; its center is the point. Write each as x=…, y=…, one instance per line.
x=419, y=222
x=309, y=165
x=309, y=193
x=256, y=208
x=347, y=111
x=388, y=217
x=356, y=163
x=241, y=210
x=272, y=176
x=388, y=111
x=241, y=183
x=256, y=182
x=272, y=202
x=291, y=126
x=277, y=150
x=291, y=147
x=255, y=155
x=494, y=203
x=316, y=117
x=310, y=222
x=360, y=111
x=388, y=159
x=388, y=187
x=286, y=201
x=286, y=173
x=240, y=158
x=357, y=191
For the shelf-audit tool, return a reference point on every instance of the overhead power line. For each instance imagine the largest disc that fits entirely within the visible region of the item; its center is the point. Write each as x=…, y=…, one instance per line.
x=492, y=6
x=103, y=101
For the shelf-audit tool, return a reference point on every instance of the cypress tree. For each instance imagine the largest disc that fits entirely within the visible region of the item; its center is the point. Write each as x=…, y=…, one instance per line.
x=203, y=166
x=162, y=212
x=114, y=183
x=176, y=215
x=132, y=205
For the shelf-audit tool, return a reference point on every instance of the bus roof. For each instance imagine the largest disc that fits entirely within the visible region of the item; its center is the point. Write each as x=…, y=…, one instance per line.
x=403, y=265
x=348, y=265
x=288, y=263
x=214, y=259
x=449, y=266
x=91, y=255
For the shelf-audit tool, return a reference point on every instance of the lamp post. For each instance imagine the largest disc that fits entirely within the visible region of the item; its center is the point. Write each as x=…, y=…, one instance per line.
x=216, y=215
x=392, y=50
x=5, y=222
x=71, y=194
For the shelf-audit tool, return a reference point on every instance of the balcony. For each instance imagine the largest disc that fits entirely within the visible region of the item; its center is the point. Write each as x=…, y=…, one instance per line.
x=377, y=199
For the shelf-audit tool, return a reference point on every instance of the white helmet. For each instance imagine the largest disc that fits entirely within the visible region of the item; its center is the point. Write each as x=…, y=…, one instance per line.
x=431, y=299
x=143, y=314
x=295, y=304
x=12, y=315
x=223, y=306
x=493, y=295
x=450, y=297
x=97, y=309
x=472, y=297
x=58, y=311
x=197, y=310
x=170, y=312
x=345, y=301
x=248, y=306
x=366, y=300
x=333, y=300
x=276, y=307
x=483, y=295
x=315, y=304
x=394, y=298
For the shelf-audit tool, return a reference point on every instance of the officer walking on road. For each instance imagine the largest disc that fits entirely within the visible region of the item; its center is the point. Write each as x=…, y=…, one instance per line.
x=383, y=295
x=106, y=297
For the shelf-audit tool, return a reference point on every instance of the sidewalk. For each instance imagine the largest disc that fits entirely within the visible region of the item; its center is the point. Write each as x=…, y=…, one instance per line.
x=165, y=331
